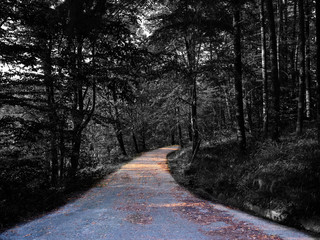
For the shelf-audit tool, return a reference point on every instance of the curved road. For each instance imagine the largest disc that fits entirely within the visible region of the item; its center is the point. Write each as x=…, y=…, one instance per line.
x=142, y=201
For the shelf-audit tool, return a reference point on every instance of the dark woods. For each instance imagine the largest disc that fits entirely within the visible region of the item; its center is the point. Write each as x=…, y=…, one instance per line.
x=86, y=82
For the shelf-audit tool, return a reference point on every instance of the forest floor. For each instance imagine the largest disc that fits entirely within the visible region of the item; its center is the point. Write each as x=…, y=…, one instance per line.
x=142, y=201
x=278, y=181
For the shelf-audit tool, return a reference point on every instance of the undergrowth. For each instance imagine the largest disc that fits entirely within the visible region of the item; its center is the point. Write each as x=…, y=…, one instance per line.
x=282, y=176
x=25, y=191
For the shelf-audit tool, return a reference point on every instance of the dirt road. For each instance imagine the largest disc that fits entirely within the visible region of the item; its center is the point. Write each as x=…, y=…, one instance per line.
x=142, y=201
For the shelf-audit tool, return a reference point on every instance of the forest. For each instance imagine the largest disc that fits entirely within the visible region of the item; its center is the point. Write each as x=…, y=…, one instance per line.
x=86, y=85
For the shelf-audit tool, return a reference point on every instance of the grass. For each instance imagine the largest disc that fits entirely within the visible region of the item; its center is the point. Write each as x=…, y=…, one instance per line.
x=281, y=177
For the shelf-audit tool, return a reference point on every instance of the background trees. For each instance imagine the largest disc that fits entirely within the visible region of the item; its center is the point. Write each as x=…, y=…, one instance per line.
x=285, y=25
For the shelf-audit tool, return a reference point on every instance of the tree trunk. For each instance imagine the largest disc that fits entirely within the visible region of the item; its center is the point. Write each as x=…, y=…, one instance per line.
x=265, y=90
x=117, y=125
x=52, y=115
x=136, y=147
x=190, y=132
x=191, y=55
x=75, y=153
x=173, y=137
x=293, y=50
x=249, y=113
x=238, y=77
x=285, y=45
x=308, y=62
x=318, y=66
x=121, y=142
x=179, y=127
x=194, y=123
x=279, y=40
x=180, y=136
x=54, y=157
x=143, y=135
x=62, y=151
x=77, y=108
x=228, y=110
x=302, y=70
x=275, y=113
x=81, y=115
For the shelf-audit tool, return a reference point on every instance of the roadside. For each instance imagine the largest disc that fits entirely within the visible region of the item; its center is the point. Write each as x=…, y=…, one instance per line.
x=277, y=181
x=34, y=200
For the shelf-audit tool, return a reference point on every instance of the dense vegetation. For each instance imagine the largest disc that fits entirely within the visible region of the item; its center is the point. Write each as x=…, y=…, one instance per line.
x=86, y=83
x=275, y=180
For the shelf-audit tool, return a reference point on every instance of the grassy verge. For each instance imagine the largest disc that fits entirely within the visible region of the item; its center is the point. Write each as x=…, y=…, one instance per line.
x=279, y=181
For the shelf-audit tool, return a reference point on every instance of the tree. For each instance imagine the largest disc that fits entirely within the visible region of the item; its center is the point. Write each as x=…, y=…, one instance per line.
x=318, y=66
x=265, y=90
x=39, y=40
x=308, y=59
x=275, y=111
x=84, y=21
x=238, y=75
x=186, y=30
x=302, y=69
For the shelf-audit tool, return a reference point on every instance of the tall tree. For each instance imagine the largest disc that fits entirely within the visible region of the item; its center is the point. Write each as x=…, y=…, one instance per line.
x=308, y=59
x=238, y=75
x=318, y=65
x=302, y=69
x=41, y=21
x=265, y=90
x=280, y=6
x=52, y=111
x=84, y=18
x=275, y=110
x=192, y=79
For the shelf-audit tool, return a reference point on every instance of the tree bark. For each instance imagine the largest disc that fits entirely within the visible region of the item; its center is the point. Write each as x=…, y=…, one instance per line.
x=194, y=117
x=191, y=55
x=52, y=114
x=77, y=108
x=249, y=112
x=265, y=90
x=143, y=135
x=117, y=125
x=285, y=45
x=180, y=136
x=308, y=61
x=318, y=66
x=121, y=142
x=275, y=113
x=279, y=40
x=75, y=153
x=230, y=117
x=293, y=50
x=136, y=147
x=302, y=69
x=179, y=127
x=190, y=131
x=62, y=150
x=173, y=137
x=238, y=77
